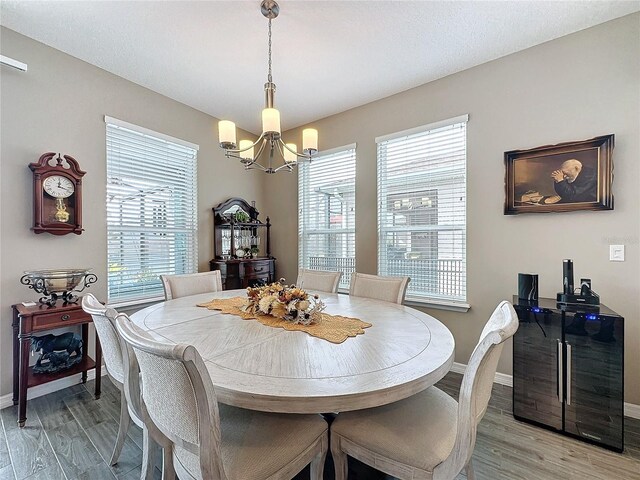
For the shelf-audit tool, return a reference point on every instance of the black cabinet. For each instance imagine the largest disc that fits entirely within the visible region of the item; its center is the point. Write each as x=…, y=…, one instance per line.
x=568, y=370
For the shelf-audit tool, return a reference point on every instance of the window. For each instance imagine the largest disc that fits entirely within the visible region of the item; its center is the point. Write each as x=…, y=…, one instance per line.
x=151, y=211
x=326, y=213
x=422, y=209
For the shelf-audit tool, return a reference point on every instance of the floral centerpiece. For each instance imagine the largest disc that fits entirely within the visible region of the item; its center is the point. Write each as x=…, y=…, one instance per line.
x=284, y=301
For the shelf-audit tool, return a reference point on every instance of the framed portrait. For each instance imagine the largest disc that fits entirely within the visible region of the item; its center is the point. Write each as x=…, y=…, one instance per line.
x=560, y=178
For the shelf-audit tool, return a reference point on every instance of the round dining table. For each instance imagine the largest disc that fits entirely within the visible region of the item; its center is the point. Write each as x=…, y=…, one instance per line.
x=275, y=370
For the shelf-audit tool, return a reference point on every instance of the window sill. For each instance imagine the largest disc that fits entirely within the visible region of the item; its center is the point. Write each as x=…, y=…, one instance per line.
x=437, y=304
x=134, y=305
x=425, y=303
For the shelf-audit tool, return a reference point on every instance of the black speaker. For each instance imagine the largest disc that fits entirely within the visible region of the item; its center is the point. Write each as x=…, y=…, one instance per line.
x=528, y=286
x=567, y=277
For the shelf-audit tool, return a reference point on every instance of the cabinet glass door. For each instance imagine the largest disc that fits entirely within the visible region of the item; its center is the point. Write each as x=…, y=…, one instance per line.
x=594, y=346
x=537, y=350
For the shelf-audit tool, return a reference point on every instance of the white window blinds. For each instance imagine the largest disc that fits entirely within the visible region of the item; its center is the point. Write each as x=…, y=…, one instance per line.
x=151, y=211
x=326, y=213
x=422, y=209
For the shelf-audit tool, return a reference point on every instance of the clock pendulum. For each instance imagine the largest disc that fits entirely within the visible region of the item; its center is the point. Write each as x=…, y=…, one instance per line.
x=61, y=214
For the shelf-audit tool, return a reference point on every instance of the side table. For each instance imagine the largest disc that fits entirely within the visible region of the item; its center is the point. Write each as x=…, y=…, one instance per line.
x=35, y=320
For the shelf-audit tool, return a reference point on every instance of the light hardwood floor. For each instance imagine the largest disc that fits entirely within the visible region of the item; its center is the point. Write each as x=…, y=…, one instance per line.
x=69, y=435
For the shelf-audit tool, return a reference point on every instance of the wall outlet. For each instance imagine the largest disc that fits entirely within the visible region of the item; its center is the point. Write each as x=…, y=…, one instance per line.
x=616, y=253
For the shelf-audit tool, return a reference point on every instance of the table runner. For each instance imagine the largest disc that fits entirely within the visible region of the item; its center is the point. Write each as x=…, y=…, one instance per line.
x=333, y=328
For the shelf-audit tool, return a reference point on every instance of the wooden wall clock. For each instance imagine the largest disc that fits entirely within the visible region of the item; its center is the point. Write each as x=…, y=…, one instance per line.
x=57, y=195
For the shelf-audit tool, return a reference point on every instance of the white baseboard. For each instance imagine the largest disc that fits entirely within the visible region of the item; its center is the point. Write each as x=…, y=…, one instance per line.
x=630, y=409
x=458, y=368
x=45, y=388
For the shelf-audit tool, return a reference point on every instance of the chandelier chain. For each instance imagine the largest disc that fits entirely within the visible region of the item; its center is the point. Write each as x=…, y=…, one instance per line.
x=269, y=79
x=270, y=141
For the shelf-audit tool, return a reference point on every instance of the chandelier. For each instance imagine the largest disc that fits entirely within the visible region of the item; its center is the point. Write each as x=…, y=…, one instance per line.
x=270, y=139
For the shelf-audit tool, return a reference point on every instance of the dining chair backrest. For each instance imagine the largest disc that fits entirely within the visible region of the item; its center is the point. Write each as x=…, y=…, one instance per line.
x=319, y=280
x=120, y=364
x=177, y=395
x=389, y=289
x=477, y=382
x=176, y=286
x=104, y=322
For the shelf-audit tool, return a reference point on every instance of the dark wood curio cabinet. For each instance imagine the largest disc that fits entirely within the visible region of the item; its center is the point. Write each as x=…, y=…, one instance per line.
x=242, y=245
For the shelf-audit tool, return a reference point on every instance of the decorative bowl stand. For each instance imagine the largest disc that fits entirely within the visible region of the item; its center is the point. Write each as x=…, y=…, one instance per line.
x=42, y=285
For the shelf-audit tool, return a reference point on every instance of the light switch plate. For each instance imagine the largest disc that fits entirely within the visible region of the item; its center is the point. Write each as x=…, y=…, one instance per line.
x=616, y=253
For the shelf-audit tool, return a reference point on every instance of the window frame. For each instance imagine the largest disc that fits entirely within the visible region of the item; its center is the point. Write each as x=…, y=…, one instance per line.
x=303, y=175
x=439, y=302
x=157, y=214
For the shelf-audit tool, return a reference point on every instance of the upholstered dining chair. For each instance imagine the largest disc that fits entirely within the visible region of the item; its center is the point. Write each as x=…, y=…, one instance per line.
x=319, y=280
x=211, y=441
x=176, y=286
x=123, y=372
x=428, y=435
x=389, y=289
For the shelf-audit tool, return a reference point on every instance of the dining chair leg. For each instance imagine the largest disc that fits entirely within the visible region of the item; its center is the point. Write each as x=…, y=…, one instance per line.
x=150, y=451
x=317, y=464
x=471, y=474
x=123, y=428
x=168, y=472
x=339, y=458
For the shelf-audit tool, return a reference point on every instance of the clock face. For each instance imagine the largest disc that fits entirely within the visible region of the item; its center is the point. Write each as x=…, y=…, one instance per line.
x=58, y=186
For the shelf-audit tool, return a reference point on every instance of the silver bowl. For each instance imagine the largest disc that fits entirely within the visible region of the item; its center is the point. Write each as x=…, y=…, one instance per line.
x=58, y=284
x=58, y=281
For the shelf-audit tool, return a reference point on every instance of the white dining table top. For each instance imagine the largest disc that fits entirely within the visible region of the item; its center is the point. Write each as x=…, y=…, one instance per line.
x=271, y=369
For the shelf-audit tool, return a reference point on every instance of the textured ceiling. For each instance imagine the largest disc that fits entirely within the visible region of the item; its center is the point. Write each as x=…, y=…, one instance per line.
x=328, y=56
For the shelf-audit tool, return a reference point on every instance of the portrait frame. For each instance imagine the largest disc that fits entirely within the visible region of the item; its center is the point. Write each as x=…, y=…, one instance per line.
x=565, y=177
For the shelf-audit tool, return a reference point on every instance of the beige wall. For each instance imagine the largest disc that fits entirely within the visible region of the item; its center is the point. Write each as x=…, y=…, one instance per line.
x=577, y=87
x=59, y=105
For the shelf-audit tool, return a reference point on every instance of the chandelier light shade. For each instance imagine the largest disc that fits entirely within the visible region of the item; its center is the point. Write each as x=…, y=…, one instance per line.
x=270, y=140
x=227, y=133
x=246, y=149
x=271, y=121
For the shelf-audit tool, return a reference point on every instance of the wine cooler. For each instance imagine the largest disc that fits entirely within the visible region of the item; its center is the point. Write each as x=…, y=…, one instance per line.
x=568, y=370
